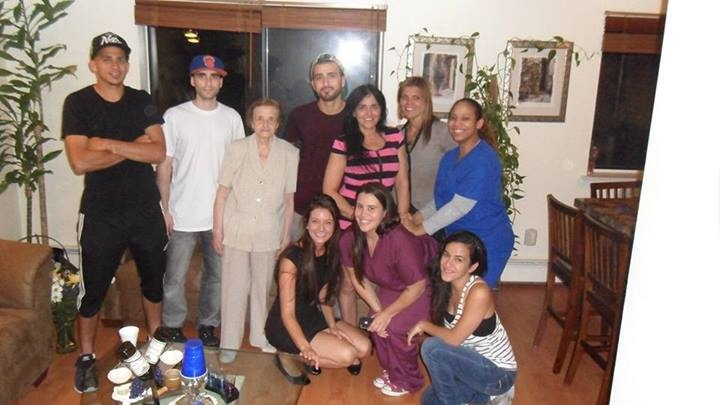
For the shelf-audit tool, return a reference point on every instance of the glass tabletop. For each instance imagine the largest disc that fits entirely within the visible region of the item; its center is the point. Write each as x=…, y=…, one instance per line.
x=266, y=378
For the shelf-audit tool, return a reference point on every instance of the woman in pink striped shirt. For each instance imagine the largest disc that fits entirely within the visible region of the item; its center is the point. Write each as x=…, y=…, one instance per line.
x=367, y=152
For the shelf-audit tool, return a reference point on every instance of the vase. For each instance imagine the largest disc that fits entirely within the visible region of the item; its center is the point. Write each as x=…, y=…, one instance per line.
x=65, y=337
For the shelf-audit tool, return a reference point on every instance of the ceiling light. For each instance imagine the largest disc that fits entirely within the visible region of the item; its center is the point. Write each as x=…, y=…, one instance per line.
x=189, y=33
x=194, y=40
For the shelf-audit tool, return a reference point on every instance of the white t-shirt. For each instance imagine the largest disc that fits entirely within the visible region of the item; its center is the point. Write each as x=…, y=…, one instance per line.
x=196, y=139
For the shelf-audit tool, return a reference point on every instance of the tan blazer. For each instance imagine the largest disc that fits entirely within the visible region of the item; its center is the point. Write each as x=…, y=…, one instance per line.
x=253, y=219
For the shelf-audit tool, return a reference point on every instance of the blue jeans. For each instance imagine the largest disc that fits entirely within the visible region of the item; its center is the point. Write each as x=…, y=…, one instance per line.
x=461, y=375
x=179, y=254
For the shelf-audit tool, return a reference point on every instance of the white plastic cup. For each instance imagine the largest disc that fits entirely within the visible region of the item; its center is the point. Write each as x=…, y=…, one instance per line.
x=129, y=334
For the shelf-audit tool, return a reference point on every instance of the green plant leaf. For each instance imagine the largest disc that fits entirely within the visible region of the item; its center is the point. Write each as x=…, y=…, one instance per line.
x=51, y=155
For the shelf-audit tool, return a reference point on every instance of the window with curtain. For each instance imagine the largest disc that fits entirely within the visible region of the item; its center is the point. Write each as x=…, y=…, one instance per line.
x=626, y=91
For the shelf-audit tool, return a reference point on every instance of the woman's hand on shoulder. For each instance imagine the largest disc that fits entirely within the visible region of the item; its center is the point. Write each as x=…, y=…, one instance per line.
x=412, y=227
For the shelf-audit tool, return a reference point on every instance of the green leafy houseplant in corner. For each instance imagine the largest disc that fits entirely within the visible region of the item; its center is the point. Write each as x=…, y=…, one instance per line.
x=25, y=71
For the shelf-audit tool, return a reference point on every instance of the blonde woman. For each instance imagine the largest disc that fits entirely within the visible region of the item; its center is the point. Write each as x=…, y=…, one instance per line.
x=426, y=138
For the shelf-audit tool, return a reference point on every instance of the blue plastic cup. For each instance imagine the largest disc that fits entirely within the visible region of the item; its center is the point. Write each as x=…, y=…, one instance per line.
x=193, y=364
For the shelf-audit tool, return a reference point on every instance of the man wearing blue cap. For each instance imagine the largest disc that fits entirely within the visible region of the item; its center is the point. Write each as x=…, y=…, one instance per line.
x=196, y=134
x=112, y=134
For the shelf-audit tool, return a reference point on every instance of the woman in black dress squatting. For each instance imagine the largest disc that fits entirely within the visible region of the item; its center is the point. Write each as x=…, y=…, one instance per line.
x=301, y=319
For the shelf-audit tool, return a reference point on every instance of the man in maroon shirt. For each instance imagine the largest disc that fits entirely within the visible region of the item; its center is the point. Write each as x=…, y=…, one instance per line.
x=313, y=127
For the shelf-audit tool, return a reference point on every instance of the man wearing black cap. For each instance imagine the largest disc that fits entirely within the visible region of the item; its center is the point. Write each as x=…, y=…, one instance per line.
x=112, y=134
x=196, y=134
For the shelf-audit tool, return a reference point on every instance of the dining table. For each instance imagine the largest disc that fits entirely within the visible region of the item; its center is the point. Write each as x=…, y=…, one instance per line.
x=617, y=213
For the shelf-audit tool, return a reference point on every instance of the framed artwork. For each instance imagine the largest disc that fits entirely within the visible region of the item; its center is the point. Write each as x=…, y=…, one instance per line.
x=441, y=61
x=539, y=80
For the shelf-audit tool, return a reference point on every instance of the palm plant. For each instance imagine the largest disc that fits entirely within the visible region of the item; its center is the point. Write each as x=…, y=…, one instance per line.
x=27, y=71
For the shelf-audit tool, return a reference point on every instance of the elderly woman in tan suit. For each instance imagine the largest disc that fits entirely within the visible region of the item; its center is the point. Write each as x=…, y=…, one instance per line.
x=251, y=222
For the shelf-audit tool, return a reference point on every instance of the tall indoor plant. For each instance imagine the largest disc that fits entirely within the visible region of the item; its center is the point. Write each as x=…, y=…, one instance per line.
x=26, y=70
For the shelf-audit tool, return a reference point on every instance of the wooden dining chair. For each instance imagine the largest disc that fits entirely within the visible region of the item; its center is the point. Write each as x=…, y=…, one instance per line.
x=607, y=256
x=616, y=189
x=565, y=261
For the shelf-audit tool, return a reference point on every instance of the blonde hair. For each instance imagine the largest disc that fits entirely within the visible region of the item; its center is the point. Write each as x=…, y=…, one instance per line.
x=428, y=117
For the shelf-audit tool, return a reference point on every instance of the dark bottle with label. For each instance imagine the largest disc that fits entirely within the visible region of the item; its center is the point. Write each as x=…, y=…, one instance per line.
x=138, y=364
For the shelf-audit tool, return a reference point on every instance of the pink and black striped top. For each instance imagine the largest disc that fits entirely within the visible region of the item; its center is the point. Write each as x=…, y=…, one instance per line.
x=381, y=165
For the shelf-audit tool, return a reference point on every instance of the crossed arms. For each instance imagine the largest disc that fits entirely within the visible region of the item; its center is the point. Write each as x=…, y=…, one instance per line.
x=91, y=154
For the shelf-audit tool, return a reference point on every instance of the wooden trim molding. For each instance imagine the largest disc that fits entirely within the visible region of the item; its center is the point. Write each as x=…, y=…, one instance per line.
x=633, y=33
x=324, y=18
x=239, y=17
x=232, y=17
x=632, y=43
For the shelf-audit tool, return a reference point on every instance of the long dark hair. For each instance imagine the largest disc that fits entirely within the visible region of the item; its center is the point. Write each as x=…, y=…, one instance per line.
x=428, y=117
x=441, y=290
x=353, y=136
x=389, y=221
x=307, y=274
x=486, y=132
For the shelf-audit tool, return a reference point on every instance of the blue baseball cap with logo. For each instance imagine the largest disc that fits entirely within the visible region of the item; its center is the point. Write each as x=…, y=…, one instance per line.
x=208, y=62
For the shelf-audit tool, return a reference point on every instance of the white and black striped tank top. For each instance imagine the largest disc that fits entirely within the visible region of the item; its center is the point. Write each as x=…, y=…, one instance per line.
x=494, y=346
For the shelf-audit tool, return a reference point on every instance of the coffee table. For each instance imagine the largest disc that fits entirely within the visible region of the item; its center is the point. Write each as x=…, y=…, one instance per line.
x=264, y=382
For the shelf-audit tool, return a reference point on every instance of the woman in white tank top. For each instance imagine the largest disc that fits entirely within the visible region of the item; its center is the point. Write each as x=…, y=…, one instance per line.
x=469, y=356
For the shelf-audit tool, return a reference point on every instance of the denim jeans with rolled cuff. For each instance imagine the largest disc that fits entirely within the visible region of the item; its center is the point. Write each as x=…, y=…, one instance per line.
x=461, y=375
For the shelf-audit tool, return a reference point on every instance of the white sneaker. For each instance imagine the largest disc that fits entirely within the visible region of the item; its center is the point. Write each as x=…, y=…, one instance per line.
x=393, y=390
x=503, y=399
x=382, y=380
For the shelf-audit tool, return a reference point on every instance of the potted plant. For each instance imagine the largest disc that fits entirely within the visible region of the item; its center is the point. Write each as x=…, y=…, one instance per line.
x=27, y=71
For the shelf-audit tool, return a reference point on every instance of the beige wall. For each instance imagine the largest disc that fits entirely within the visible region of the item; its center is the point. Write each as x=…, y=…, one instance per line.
x=553, y=156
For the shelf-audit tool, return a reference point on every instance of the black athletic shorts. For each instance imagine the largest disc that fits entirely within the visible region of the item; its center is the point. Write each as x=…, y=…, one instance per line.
x=103, y=240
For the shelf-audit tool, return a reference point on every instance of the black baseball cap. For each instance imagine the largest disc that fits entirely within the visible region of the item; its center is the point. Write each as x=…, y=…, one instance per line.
x=108, y=39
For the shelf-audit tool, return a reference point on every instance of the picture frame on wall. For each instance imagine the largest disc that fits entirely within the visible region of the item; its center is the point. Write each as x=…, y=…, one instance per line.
x=539, y=80
x=442, y=62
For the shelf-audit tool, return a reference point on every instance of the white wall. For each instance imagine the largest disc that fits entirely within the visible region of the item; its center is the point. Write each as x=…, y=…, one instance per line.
x=553, y=156
x=10, y=227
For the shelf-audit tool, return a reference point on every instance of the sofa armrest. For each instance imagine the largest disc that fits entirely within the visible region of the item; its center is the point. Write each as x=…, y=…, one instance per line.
x=25, y=277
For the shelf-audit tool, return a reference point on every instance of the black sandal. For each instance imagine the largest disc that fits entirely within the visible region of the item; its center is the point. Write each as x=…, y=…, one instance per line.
x=312, y=369
x=354, y=369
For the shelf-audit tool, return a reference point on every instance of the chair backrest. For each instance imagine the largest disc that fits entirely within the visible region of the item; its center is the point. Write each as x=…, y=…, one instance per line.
x=607, y=256
x=565, y=240
x=616, y=189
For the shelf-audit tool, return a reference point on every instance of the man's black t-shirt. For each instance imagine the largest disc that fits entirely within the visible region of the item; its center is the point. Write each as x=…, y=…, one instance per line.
x=128, y=184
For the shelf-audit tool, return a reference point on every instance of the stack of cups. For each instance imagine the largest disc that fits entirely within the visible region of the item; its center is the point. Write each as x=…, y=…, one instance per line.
x=129, y=334
x=194, y=371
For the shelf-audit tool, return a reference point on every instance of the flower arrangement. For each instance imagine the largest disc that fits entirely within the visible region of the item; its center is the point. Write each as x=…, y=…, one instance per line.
x=63, y=300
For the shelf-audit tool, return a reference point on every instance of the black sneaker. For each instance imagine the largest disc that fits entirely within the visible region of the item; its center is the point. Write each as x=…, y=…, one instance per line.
x=206, y=334
x=172, y=334
x=86, y=374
